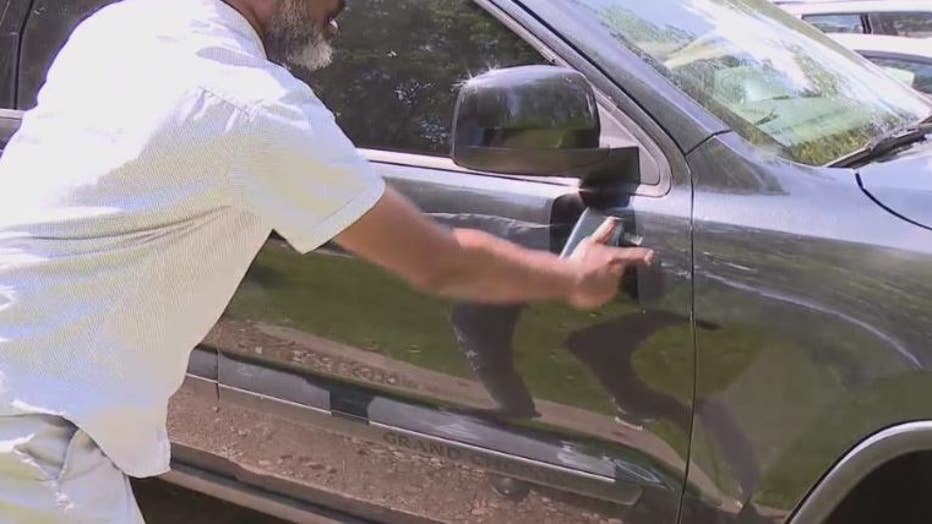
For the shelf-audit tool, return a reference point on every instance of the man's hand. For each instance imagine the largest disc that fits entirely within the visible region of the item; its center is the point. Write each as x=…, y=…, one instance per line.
x=471, y=265
x=601, y=267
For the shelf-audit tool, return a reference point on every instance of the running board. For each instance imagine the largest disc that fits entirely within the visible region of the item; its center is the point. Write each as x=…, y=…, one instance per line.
x=374, y=417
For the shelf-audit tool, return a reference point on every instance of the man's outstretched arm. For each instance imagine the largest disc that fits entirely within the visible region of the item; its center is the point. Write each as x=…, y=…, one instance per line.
x=471, y=265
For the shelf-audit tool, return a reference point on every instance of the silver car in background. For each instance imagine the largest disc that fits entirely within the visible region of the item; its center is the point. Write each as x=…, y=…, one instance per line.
x=907, y=18
x=906, y=59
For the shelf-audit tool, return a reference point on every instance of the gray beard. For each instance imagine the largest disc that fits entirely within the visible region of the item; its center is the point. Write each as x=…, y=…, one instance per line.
x=294, y=40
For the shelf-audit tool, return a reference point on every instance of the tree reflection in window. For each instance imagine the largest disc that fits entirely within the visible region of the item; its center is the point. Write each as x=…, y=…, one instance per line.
x=393, y=82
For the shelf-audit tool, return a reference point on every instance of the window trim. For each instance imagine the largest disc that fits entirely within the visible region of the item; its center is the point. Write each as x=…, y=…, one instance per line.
x=866, y=23
x=445, y=163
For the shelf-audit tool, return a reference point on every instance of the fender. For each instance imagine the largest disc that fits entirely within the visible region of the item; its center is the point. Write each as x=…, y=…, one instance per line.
x=858, y=463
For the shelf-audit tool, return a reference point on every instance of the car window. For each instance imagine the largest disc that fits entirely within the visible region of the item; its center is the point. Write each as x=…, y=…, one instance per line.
x=837, y=23
x=914, y=25
x=393, y=81
x=917, y=75
x=776, y=81
x=12, y=15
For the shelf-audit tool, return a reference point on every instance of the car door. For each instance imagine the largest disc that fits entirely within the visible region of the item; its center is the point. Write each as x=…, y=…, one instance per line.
x=597, y=404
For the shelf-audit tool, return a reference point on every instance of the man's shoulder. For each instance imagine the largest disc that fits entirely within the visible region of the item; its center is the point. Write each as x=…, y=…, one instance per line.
x=207, y=45
x=164, y=66
x=257, y=87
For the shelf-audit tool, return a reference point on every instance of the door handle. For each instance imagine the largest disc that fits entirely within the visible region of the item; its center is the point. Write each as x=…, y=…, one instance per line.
x=588, y=222
x=639, y=284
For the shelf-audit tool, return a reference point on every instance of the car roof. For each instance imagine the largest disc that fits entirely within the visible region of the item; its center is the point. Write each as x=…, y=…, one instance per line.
x=857, y=6
x=920, y=47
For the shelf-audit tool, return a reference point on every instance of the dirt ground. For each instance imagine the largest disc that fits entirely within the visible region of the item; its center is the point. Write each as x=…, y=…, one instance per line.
x=354, y=471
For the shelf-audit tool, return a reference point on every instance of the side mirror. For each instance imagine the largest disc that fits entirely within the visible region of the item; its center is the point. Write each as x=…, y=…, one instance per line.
x=537, y=120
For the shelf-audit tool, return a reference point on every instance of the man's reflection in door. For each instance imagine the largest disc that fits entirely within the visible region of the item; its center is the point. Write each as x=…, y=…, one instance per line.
x=485, y=333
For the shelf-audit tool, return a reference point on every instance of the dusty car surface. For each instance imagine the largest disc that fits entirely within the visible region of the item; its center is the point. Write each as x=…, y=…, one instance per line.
x=773, y=367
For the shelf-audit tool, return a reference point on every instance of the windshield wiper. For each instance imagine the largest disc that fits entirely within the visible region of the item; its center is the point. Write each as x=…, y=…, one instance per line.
x=887, y=143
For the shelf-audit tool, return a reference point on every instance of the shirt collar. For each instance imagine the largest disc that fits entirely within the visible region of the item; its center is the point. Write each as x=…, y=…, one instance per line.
x=238, y=23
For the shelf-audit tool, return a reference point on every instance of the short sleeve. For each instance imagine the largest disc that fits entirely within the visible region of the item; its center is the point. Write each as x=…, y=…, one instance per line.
x=296, y=169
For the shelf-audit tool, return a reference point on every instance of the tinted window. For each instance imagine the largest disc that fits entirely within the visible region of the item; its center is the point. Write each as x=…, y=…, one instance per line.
x=916, y=74
x=393, y=82
x=915, y=25
x=837, y=23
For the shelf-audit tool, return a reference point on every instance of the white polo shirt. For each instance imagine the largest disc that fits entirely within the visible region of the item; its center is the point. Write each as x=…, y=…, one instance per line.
x=164, y=149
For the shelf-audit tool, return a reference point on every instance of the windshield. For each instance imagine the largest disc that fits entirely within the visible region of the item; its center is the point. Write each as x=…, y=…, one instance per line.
x=774, y=80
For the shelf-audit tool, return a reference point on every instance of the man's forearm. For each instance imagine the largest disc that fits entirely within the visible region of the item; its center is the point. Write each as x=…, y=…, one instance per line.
x=487, y=269
x=465, y=264
x=471, y=265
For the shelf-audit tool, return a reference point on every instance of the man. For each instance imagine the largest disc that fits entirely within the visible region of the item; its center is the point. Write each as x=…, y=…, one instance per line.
x=165, y=147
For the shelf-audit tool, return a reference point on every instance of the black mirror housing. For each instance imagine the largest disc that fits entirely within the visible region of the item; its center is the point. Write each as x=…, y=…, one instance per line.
x=536, y=120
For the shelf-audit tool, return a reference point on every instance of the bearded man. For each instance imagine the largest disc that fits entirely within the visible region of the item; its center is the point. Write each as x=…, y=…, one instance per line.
x=168, y=142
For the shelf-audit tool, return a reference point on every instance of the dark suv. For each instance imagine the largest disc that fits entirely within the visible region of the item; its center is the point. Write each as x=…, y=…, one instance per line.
x=771, y=368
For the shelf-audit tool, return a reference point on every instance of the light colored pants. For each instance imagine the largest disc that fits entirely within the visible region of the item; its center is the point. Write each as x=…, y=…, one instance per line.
x=51, y=472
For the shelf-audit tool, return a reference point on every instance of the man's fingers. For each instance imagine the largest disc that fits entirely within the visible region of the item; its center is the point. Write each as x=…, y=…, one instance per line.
x=633, y=255
x=605, y=231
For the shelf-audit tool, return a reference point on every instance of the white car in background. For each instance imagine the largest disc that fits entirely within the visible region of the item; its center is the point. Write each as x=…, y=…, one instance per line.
x=908, y=18
x=908, y=59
